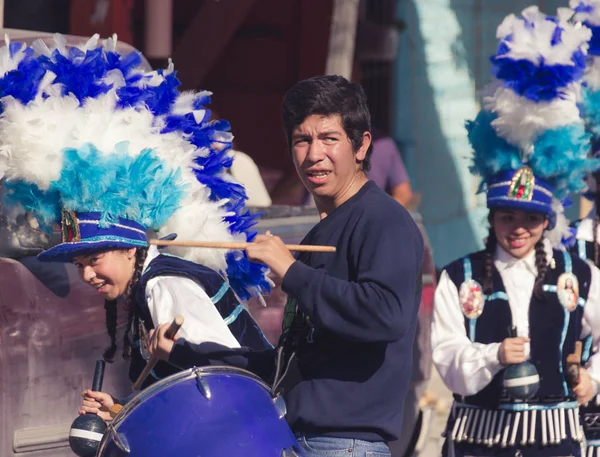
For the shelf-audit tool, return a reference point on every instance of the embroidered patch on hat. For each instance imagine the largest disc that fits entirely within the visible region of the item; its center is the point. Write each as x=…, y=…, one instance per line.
x=69, y=227
x=522, y=184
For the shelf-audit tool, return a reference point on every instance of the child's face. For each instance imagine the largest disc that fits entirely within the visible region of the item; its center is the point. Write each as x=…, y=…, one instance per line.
x=518, y=231
x=108, y=272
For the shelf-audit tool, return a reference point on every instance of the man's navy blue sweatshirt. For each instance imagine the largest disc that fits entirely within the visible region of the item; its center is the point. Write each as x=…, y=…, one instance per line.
x=355, y=358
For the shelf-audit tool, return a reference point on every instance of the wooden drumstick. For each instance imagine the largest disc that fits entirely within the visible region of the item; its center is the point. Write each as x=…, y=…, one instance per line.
x=170, y=333
x=237, y=245
x=114, y=410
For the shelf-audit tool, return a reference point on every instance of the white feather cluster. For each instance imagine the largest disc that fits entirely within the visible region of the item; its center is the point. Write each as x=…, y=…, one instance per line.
x=533, y=35
x=521, y=120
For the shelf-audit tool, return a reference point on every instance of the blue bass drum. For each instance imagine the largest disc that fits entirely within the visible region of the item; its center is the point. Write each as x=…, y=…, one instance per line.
x=207, y=411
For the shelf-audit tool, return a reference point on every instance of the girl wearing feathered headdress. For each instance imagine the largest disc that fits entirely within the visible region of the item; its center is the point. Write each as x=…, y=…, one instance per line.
x=530, y=150
x=112, y=153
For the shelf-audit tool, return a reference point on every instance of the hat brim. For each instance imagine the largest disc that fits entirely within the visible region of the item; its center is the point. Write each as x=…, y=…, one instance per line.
x=65, y=252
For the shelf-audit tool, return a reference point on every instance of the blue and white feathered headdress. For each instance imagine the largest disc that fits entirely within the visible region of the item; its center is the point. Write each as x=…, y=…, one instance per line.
x=90, y=140
x=529, y=140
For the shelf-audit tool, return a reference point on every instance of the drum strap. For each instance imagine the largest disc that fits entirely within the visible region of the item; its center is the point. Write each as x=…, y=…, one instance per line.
x=283, y=382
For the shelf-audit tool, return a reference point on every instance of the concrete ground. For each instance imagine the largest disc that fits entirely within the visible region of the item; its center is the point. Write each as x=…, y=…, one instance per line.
x=433, y=445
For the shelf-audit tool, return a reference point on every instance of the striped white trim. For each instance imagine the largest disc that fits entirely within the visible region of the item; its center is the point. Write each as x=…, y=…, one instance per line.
x=84, y=221
x=78, y=433
x=524, y=381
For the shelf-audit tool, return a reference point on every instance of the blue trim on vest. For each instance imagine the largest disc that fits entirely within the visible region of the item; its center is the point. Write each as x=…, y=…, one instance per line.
x=587, y=349
x=500, y=295
x=468, y=276
x=234, y=314
x=220, y=293
x=563, y=337
x=468, y=268
x=553, y=289
x=472, y=328
x=568, y=262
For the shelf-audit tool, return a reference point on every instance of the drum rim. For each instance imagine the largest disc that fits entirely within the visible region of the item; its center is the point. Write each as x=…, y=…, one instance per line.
x=164, y=383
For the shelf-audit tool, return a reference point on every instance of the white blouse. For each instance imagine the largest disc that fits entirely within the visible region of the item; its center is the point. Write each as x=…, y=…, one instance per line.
x=169, y=296
x=467, y=367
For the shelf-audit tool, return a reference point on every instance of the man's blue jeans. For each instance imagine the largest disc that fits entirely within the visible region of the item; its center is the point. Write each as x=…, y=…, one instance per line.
x=324, y=446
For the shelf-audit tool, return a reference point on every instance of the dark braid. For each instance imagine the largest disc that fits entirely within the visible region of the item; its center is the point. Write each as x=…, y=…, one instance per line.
x=490, y=249
x=140, y=258
x=541, y=264
x=111, y=327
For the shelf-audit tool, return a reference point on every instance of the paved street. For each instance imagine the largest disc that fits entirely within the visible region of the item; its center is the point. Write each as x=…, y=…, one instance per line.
x=433, y=447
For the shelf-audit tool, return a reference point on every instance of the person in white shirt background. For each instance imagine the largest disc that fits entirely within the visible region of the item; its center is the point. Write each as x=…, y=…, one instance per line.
x=529, y=146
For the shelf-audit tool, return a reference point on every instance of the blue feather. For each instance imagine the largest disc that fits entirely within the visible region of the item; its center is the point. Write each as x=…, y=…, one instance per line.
x=245, y=276
x=581, y=7
x=200, y=135
x=538, y=82
x=492, y=154
x=201, y=99
x=45, y=205
x=590, y=110
x=240, y=220
x=559, y=157
x=158, y=99
x=93, y=182
x=594, y=43
x=23, y=82
x=80, y=73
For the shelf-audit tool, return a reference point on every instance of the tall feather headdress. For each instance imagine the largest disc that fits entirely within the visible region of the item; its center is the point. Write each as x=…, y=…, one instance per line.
x=91, y=141
x=529, y=141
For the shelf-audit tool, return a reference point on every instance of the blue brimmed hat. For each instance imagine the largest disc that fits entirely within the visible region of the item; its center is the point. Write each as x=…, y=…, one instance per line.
x=530, y=143
x=82, y=234
x=93, y=142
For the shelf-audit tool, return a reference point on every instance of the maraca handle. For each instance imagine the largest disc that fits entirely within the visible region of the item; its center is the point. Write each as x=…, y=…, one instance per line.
x=98, y=376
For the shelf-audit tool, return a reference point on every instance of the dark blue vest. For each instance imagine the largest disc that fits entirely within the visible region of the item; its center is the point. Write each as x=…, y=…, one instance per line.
x=552, y=328
x=240, y=322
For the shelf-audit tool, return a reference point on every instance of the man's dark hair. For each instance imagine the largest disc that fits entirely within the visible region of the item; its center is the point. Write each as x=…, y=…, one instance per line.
x=328, y=96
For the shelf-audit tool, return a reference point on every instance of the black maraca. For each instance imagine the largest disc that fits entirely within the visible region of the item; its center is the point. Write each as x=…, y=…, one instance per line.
x=521, y=380
x=87, y=430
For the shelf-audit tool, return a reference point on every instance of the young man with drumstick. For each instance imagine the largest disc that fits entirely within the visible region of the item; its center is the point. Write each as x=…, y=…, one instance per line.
x=344, y=358
x=93, y=142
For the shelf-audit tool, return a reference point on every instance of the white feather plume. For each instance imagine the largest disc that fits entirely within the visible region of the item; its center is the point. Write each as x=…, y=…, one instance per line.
x=521, y=120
